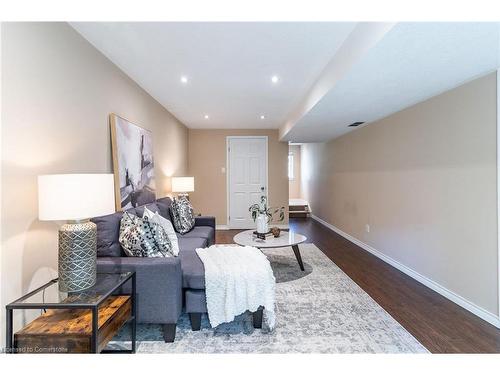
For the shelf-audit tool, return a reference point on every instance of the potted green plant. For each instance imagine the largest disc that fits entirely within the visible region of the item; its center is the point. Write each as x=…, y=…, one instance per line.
x=263, y=215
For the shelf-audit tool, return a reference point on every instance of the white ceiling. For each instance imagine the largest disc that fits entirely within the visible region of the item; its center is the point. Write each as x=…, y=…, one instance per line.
x=229, y=65
x=413, y=62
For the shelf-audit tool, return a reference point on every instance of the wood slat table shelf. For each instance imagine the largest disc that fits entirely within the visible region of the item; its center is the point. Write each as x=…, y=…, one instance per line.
x=71, y=330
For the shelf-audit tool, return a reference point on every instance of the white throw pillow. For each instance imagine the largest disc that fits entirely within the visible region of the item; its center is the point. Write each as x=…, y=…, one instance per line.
x=166, y=224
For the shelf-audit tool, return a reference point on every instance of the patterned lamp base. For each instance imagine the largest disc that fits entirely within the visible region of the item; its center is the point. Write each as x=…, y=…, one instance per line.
x=77, y=256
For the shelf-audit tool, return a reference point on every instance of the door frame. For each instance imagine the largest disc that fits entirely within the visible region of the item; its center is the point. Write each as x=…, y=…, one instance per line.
x=228, y=169
x=498, y=192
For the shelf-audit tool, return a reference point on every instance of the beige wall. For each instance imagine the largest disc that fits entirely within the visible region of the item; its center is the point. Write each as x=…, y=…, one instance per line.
x=424, y=179
x=57, y=93
x=207, y=157
x=294, y=185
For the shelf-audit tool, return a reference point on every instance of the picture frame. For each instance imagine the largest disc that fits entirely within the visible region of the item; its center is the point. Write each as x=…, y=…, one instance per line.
x=133, y=163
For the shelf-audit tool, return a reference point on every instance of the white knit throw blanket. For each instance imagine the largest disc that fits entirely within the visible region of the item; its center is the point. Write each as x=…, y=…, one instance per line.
x=237, y=279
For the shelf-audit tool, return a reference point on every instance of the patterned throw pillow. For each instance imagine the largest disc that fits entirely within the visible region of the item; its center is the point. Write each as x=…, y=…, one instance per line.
x=182, y=215
x=143, y=238
x=166, y=224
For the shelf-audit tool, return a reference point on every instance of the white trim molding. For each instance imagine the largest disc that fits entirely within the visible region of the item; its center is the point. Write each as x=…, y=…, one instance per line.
x=498, y=184
x=452, y=296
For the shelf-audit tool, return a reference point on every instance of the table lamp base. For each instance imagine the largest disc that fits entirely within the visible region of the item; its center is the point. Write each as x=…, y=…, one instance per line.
x=77, y=256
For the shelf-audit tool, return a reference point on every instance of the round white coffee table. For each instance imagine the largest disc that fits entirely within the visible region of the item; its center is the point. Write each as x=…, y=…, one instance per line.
x=286, y=238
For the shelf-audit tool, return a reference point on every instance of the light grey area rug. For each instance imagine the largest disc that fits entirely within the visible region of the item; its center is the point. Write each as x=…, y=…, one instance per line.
x=320, y=310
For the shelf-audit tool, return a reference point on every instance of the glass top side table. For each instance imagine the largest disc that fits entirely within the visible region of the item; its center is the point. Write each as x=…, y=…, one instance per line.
x=92, y=305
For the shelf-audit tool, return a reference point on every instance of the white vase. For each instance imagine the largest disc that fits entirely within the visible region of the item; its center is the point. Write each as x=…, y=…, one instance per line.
x=262, y=226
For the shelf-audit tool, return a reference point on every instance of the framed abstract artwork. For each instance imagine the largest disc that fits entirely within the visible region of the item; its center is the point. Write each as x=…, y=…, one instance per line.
x=133, y=164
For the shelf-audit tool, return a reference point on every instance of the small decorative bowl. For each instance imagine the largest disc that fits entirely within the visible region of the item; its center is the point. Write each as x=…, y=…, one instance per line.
x=276, y=232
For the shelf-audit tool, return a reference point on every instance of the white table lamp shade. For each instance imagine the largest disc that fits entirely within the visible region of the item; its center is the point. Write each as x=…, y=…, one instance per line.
x=182, y=184
x=75, y=196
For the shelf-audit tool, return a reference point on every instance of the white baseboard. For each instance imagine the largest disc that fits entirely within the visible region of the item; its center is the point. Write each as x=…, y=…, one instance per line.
x=221, y=227
x=452, y=296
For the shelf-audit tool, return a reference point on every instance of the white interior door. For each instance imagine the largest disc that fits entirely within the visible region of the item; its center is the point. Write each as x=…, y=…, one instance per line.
x=247, y=174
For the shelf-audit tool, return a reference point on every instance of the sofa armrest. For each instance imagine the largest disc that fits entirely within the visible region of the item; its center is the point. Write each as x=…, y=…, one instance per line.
x=158, y=285
x=206, y=221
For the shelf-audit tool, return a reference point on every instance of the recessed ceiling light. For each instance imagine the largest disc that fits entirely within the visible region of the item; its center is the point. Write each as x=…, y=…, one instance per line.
x=275, y=79
x=206, y=117
x=184, y=79
x=262, y=117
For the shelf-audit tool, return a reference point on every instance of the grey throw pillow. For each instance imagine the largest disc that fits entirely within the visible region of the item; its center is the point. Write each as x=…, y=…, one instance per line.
x=140, y=237
x=182, y=215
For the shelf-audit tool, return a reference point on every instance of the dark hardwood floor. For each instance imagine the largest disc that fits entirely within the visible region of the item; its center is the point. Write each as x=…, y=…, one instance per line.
x=439, y=324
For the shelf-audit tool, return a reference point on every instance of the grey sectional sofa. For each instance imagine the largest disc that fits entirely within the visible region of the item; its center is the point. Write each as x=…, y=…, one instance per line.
x=162, y=283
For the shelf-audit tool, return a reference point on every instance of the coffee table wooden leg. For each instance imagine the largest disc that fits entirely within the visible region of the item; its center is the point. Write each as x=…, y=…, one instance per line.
x=296, y=251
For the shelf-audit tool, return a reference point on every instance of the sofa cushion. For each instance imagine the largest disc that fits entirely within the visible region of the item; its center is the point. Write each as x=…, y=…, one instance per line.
x=131, y=211
x=199, y=232
x=108, y=232
x=139, y=210
x=164, y=207
x=193, y=272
